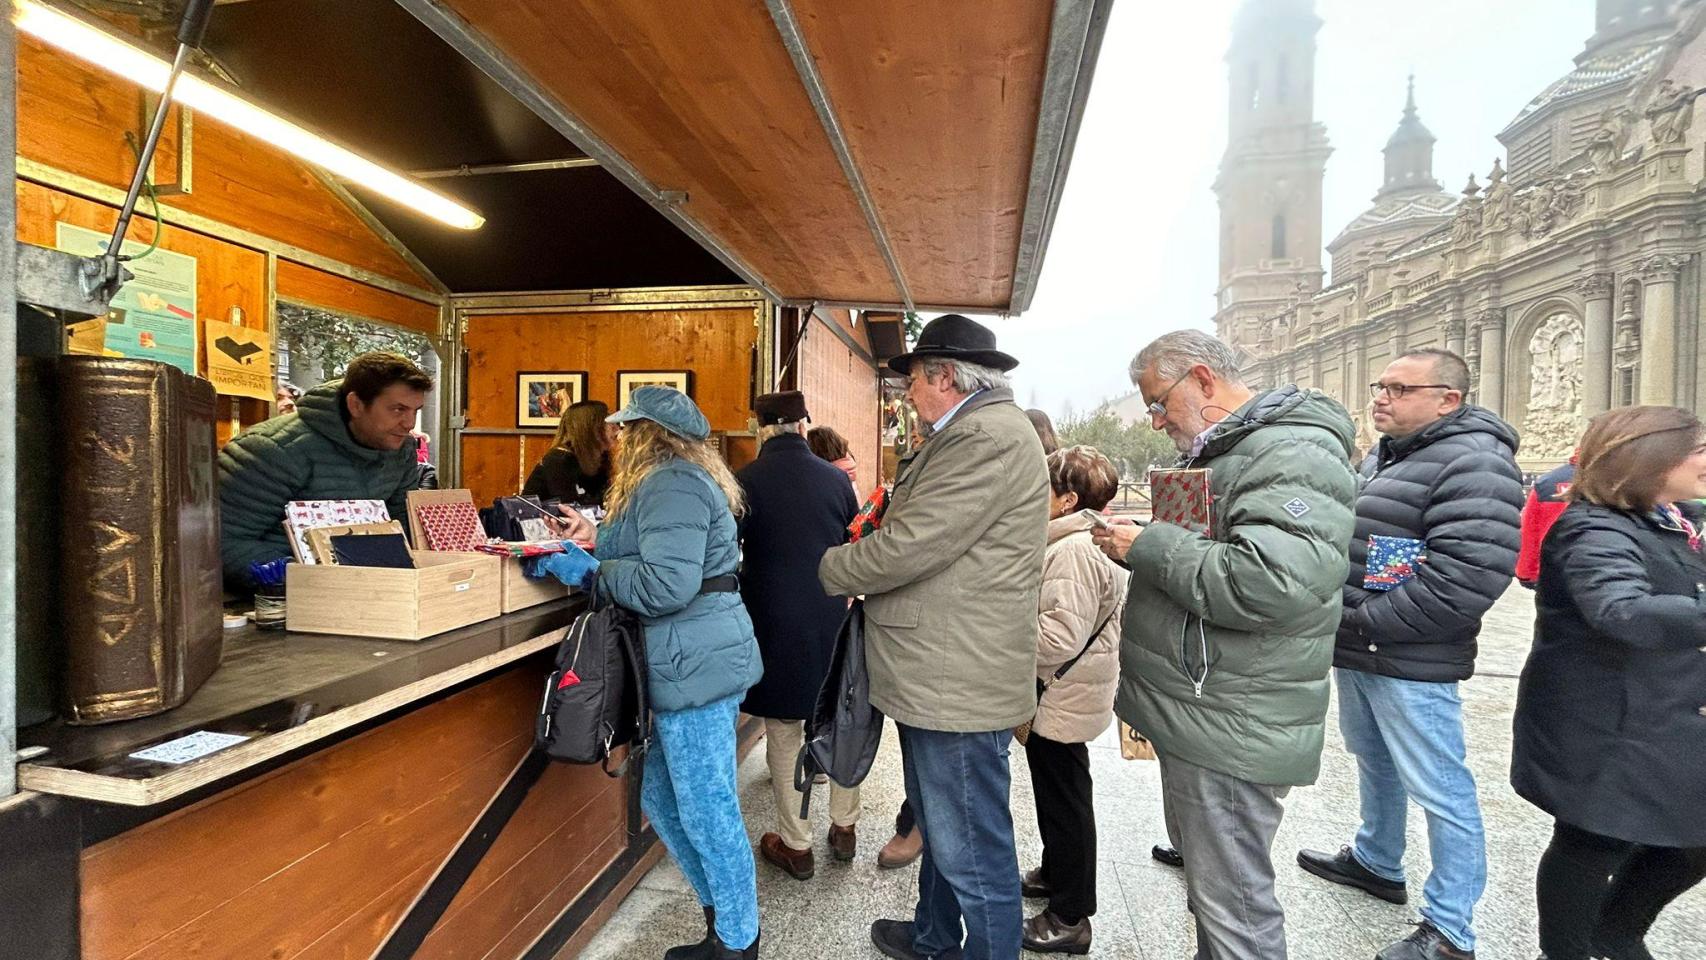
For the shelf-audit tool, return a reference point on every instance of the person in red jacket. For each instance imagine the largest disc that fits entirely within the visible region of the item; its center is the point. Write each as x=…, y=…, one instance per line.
x=1545, y=502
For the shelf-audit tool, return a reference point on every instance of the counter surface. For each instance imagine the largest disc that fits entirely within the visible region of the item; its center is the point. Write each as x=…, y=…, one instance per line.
x=278, y=691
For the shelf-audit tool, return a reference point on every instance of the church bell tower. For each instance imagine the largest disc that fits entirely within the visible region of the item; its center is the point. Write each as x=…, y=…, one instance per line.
x=1270, y=178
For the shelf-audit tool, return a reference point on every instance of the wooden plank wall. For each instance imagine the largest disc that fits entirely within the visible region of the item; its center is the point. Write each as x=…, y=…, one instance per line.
x=841, y=392
x=318, y=288
x=715, y=343
x=319, y=859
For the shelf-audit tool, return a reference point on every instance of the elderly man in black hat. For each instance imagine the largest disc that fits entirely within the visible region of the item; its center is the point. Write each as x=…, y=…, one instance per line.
x=797, y=507
x=950, y=582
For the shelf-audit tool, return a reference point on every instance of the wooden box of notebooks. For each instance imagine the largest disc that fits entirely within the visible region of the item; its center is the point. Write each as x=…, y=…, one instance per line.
x=443, y=592
x=521, y=591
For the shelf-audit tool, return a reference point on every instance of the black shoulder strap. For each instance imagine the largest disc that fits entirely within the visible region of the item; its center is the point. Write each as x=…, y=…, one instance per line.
x=1084, y=649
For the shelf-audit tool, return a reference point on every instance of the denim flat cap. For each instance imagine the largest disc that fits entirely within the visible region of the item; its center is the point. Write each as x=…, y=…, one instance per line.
x=668, y=408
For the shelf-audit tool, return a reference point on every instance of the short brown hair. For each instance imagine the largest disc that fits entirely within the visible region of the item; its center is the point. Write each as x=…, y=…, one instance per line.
x=827, y=444
x=1449, y=368
x=368, y=375
x=1086, y=472
x=1627, y=452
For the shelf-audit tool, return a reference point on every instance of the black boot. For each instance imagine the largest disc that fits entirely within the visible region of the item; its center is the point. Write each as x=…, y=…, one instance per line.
x=720, y=951
x=700, y=950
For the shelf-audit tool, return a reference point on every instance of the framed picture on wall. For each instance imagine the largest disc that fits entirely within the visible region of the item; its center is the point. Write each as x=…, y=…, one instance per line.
x=627, y=381
x=542, y=396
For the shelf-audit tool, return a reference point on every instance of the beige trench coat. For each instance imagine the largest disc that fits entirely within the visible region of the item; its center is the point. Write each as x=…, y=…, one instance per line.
x=951, y=577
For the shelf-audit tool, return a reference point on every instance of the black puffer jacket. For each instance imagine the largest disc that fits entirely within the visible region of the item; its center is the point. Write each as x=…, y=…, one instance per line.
x=1611, y=710
x=1455, y=486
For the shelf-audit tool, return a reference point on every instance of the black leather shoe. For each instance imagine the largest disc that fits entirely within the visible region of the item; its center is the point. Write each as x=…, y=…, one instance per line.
x=700, y=950
x=1424, y=943
x=893, y=938
x=720, y=951
x=1046, y=933
x=1344, y=869
x=1032, y=887
x=1164, y=853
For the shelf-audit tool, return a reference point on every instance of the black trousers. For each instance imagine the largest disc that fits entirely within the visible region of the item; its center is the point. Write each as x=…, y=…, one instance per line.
x=1066, y=817
x=1583, y=914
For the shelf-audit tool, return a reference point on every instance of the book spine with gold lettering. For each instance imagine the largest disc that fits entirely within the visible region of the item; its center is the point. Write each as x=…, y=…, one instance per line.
x=139, y=537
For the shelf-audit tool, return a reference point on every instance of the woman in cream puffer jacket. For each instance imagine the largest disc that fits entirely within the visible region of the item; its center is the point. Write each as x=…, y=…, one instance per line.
x=1082, y=591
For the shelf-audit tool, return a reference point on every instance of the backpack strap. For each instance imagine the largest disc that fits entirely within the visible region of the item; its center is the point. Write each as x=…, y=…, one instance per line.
x=643, y=722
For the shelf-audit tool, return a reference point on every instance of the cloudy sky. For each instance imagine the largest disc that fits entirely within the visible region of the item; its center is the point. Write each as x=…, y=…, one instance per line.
x=1133, y=253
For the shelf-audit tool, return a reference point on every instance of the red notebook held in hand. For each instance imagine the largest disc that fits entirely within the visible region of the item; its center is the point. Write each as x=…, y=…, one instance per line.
x=1183, y=498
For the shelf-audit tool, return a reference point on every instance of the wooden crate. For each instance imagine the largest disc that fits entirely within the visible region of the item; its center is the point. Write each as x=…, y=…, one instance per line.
x=521, y=591
x=444, y=591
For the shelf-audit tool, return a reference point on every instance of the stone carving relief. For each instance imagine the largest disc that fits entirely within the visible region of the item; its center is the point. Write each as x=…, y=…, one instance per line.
x=1606, y=151
x=1593, y=286
x=1533, y=212
x=1671, y=113
x=1539, y=209
x=1554, y=421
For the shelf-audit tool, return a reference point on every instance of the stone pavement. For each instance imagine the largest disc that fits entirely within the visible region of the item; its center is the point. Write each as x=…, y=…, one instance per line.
x=1142, y=913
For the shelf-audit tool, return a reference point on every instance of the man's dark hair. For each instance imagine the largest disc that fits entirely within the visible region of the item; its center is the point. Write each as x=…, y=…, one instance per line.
x=369, y=374
x=1449, y=368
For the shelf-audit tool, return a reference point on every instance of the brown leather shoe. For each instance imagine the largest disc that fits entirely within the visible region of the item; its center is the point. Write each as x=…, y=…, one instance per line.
x=843, y=842
x=1032, y=887
x=901, y=850
x=1045, y=933
x=798, y=864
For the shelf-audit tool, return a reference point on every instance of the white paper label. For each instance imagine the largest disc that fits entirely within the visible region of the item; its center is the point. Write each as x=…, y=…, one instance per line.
x=463, y=587
x=187, y=748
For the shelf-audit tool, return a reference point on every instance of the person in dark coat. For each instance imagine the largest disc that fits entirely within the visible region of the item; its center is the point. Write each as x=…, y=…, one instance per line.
x=1610, y=724
x=1443, y=478
x=798, y=506
x=576, y=470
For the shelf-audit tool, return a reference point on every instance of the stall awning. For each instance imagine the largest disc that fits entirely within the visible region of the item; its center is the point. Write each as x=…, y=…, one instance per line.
x=881, y=153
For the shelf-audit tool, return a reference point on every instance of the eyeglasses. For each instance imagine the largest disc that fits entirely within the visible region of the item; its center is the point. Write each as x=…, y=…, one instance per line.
x=1397, y=390
x=1159, y=407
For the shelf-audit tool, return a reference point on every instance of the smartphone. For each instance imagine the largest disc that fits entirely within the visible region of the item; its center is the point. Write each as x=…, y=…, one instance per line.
x=1096, y=519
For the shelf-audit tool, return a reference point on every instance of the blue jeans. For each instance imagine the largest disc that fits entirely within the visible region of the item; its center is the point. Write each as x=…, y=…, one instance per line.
x=958, y=786
x=689, y=795
x=1407, y=737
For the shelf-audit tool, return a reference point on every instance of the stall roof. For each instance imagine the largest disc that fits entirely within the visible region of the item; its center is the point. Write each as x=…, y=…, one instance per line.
x=892, y=154
x=898, y=153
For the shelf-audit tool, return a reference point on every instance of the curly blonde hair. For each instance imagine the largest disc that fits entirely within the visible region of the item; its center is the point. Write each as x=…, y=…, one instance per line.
x=645, y=446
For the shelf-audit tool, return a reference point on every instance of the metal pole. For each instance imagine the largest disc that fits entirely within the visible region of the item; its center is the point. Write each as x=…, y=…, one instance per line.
x=8, y=415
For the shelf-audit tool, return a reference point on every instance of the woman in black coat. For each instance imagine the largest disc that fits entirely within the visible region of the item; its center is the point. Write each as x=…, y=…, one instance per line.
x=1611, y=712
x=576, y=470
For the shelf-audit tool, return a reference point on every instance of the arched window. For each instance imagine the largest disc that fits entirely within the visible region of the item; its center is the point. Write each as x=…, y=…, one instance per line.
x=1278, y=244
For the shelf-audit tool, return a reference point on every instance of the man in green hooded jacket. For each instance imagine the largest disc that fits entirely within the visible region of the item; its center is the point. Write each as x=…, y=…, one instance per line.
x=350, y=439
x=1228, y=638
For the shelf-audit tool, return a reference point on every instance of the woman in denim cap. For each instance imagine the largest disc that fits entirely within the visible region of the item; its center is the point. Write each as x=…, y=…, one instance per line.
x=667, y=551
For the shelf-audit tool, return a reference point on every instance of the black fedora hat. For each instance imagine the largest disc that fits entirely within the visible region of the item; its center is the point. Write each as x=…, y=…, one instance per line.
x=953, y=337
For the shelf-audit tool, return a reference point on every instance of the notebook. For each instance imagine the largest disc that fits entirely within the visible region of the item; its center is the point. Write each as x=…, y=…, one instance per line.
x=373, y=550
x=1182, y=498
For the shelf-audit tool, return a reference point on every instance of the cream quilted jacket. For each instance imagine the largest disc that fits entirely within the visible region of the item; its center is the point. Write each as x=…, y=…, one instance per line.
x=1081, y=588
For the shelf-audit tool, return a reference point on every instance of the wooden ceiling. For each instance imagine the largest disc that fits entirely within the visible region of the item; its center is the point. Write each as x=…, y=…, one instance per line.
x=885, y=153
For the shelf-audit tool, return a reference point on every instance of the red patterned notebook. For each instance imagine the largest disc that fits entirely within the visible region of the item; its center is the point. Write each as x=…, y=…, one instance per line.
x=1183, y=498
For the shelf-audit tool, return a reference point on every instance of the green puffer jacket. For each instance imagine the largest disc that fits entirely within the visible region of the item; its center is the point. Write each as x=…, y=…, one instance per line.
x=306, y=455
x=1260, y=603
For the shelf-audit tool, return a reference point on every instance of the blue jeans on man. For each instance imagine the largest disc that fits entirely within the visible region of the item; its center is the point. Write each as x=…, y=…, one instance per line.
x=968, y=878
x=1407, y=736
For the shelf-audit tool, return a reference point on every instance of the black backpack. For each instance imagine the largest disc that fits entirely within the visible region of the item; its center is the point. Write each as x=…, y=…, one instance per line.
x=595, y=699
x=844, y=730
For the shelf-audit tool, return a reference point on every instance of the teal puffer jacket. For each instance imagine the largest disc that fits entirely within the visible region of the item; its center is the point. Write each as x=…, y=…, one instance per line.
x=676, y=532
x=306, y=455
x=1227, y=642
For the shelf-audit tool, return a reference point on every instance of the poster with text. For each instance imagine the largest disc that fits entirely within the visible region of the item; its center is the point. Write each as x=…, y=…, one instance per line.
x=153, y=316
x=239, y=360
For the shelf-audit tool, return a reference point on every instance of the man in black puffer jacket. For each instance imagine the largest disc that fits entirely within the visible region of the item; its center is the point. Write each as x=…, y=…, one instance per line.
x=1444, y=478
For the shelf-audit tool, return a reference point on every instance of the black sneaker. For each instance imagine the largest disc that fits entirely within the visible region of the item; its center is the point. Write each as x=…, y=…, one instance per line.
x=1424, y=943
x=1164, y=853
x=1344, y=869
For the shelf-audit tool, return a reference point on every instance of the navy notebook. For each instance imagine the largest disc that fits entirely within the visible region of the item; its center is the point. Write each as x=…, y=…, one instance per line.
x=372, y=550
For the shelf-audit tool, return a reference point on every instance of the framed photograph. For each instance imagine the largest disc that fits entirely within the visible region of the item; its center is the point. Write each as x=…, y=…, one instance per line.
x=627, y=381
x=542, y=396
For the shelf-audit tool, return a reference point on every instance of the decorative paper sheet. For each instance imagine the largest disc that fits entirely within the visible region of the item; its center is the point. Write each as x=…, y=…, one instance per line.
x=300, y=516
x=1392, y=561
x=451, y=526
x=1182, y=498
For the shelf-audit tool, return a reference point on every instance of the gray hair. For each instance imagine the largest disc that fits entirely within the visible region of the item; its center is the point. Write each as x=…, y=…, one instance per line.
x=968, y=377
x=771, y=431
x=1171, y=354
x=1449, y=368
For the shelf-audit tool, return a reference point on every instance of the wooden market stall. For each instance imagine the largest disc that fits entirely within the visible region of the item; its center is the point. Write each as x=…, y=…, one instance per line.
x=649, y=210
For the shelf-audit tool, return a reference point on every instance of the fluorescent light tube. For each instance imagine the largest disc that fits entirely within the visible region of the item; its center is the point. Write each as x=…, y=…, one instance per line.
x=110, y=53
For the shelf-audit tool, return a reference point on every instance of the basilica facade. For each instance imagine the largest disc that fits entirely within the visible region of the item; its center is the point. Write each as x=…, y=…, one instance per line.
x=1568, y=274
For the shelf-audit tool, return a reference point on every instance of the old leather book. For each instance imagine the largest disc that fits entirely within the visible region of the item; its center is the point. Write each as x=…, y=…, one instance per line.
x=139, y=537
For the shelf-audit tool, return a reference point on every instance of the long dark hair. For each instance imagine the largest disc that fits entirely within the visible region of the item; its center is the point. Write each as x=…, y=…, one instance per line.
x=581, y=432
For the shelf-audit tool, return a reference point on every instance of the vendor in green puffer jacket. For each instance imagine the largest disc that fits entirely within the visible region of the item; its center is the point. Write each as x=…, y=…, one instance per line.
x=349, y=439
x=1228, y=638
